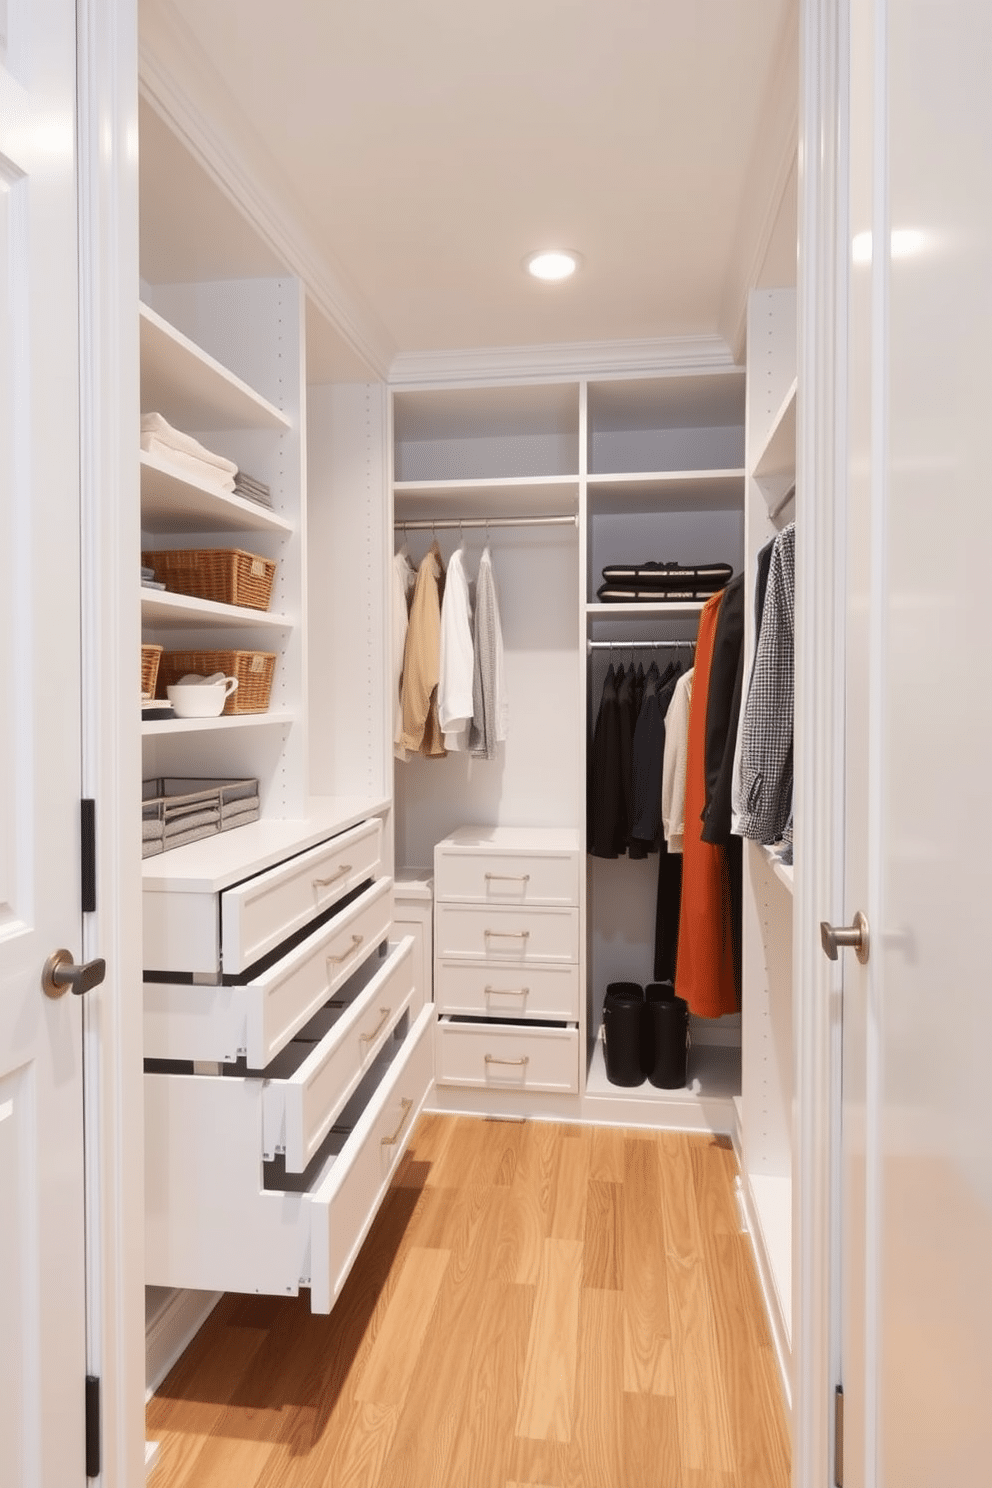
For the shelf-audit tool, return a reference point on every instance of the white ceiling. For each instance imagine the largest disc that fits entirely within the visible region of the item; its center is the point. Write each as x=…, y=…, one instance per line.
x=424, y=147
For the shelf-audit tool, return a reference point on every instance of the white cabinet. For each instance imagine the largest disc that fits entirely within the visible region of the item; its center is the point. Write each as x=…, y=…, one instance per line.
x=506, y=959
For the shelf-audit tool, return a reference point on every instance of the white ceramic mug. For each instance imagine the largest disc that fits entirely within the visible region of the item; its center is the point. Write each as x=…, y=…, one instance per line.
x=200, y=699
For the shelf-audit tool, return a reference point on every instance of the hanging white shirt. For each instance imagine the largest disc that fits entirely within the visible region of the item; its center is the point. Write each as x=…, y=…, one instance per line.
x=490, y=712
x=454, y=688
x=675, y=762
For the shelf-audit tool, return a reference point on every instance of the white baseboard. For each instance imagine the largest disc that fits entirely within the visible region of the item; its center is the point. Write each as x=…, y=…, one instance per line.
x=171, y=1329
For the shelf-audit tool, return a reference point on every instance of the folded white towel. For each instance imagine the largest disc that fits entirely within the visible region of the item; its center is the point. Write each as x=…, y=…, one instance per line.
x=188, y=465
x=155, y=427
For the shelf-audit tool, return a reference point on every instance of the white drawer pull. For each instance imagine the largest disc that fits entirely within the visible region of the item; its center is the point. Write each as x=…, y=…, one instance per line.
x=356, y=941
x=506, y=991
x=494, y=1059
x=323, y=883
x=405, y=1108
x=509, y=877
x=366, y=1038
x=509, y=934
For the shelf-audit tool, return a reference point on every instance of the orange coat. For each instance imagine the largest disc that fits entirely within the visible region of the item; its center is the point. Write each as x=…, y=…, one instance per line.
x=704, y=971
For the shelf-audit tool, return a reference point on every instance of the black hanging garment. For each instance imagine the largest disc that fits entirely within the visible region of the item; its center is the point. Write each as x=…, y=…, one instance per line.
x=604, y=805
x=669, y=897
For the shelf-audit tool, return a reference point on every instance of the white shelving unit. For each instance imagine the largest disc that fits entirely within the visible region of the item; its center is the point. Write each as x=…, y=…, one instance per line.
x=768, y=1082
x=653, y=468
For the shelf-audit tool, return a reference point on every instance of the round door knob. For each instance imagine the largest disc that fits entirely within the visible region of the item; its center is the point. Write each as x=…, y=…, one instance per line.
x=834, y=938
x=61, y=974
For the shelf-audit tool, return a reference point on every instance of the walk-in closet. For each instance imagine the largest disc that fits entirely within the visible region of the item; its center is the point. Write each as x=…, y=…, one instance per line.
x=533, y=1036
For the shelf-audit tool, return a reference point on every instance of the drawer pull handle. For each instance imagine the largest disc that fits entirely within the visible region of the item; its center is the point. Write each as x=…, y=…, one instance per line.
x=509, y=877
x=507, y=991
x=494, y=1059
x=356, y=941
x=324, y=883
x=366, y=1038
x=510, y=934
x=405, y=1108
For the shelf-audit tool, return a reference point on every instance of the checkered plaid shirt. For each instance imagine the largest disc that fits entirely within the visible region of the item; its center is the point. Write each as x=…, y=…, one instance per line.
x=766, y=730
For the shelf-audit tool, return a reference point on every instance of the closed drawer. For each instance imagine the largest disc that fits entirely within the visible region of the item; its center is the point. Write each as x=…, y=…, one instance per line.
x=257, y=915
x=217, y=1218
x=353, y=1184
x=514, y=935
x=504, y=1056
x=506, y=878
x=504, y=991
x=257, y=1018
x=311, y=1081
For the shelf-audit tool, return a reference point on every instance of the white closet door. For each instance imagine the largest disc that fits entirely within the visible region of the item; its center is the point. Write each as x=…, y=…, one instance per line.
x=917, y=1154
x=42, y=1360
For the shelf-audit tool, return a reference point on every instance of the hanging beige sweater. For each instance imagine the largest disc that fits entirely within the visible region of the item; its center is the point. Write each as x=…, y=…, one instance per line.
x=422, y=660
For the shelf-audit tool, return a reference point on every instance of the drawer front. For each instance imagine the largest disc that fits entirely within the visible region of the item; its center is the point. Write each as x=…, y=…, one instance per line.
x=513, y=935
x=343, y=1206
x=499, y=1056
x=263, y=911
x=258, y=1019
x=299, y=1110
x=506, y=878
x=505, y=992
x=280, y=1001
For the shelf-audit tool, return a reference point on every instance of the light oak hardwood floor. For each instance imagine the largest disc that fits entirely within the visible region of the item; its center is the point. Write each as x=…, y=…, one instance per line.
x=539, y=1304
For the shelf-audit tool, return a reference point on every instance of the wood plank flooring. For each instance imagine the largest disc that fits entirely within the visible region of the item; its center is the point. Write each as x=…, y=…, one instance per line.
x=536, y=1306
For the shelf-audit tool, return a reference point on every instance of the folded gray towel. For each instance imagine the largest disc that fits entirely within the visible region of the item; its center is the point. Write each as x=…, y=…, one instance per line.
x=192, y=836
x=179, y=825
x=150, y=830
x=149, y=849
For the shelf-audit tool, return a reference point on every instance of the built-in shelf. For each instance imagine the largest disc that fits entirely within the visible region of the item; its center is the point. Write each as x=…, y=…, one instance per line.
x=626, y=611
x=777, y=456
x=782, y=871
x=192, y=390
x=662, y=490
x=162, y=610
x=174, y=502
x=714, y=1074
x=163, y=726
x=551, y=495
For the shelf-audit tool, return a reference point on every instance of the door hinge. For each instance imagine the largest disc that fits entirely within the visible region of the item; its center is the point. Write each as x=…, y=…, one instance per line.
x=87, y=846
x=839, y=1436
x=92, y=1426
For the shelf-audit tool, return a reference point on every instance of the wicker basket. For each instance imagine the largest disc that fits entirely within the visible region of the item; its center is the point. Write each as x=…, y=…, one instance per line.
x=150, y=656
x=253, y=669
x=227, y=575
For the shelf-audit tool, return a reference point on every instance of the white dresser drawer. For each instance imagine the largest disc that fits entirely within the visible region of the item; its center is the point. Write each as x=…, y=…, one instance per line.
x=257, y=915
x=537, y=991
x=217, y=1218
x=342, y=1206
x=504, y=1056
x=498, y=934
x=311, y=1081
x=505, y=878
x=258, y=1018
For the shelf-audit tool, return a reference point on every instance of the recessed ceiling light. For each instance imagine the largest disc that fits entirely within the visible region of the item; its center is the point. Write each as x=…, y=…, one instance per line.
x=552, y=263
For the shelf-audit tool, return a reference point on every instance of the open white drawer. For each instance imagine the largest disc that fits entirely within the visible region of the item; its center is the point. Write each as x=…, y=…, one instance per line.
x=311, y=1081
x=218, y=1218
x=255, y=916
x=256, y=1019
x=507, y=1056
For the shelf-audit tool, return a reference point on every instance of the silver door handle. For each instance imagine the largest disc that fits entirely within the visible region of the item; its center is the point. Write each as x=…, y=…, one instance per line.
x=834, y=938
x=61, y=974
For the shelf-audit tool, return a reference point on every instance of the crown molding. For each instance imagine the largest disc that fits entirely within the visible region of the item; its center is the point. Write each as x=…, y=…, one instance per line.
x=167, y=53
x=564, y=360
x=773, y=160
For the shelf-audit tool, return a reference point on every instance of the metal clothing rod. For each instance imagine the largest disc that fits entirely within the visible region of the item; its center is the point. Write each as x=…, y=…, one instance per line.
x=455, y=523
x=635, y=645
x=789, y=496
